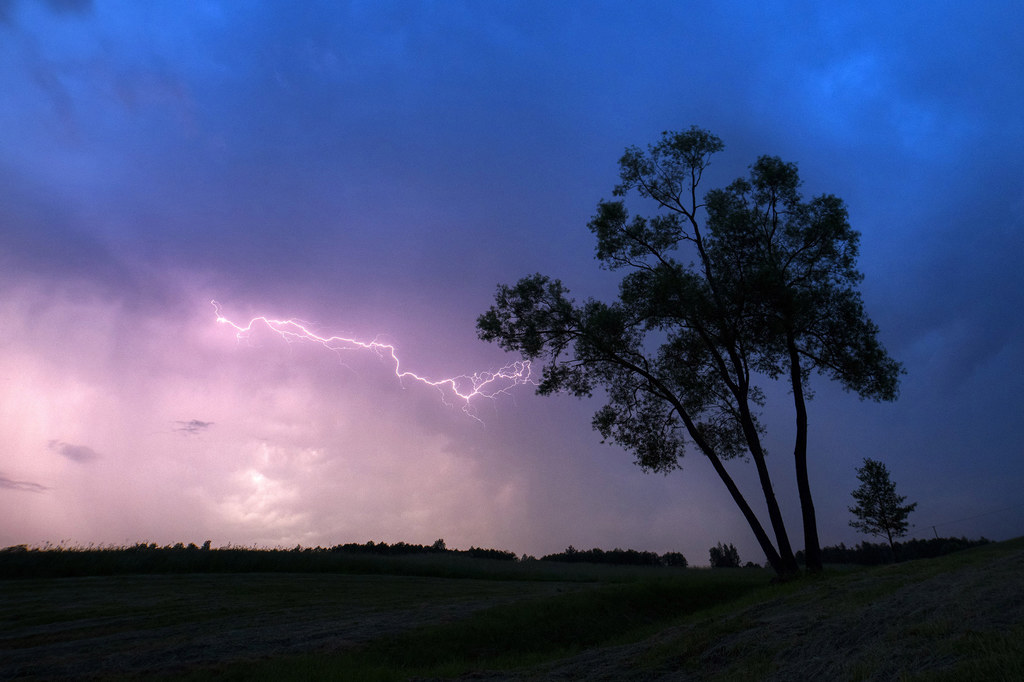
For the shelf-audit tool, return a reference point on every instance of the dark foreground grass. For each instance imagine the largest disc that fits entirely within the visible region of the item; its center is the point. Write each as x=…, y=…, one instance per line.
x=959, y=617
x=985, y=656
x=518, y=634
x=952, y=618
x=373, y=617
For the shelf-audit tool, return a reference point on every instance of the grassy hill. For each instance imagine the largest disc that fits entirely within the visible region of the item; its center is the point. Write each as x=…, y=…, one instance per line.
x=952, y=618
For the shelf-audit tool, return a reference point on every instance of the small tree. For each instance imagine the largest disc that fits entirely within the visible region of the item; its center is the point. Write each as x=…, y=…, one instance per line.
x=724, y=556
x=879, y=510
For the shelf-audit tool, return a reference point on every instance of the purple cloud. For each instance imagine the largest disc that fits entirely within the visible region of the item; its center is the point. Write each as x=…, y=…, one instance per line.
x=27, y=486
x=192, y=426
x=77, y=453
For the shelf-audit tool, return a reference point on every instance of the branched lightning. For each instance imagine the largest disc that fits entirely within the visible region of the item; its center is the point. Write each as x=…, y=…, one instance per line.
x=463, y=388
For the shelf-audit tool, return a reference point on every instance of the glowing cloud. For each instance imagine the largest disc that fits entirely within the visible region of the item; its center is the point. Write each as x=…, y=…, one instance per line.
x=463, y=388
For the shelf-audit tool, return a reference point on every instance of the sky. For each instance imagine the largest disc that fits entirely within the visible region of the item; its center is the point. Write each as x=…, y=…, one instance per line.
x=376, y=169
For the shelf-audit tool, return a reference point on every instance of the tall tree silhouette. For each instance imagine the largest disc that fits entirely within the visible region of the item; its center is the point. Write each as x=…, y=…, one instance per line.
x=750, y=284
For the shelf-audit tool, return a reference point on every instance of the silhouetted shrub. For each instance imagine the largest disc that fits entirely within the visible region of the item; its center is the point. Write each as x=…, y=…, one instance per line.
x=621, y=557
x=21, y=561
x=674, y=559
x=875, y=553
x=724, y=556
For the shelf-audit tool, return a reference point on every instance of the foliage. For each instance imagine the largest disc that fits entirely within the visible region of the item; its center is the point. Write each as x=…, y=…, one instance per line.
x=403, y=548
x=879, y=510
x=875, y=553
x=752, y=283
x=21, y=561
x=674, y=559
x=724, y=556
x=622, y=557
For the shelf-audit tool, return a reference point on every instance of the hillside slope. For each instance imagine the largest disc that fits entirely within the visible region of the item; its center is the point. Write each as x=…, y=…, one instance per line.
x=957, y=617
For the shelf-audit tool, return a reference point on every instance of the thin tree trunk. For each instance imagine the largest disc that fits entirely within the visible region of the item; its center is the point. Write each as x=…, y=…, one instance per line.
x=774, y=512
x=787, y=560
x=812, y=548
x=783, y=568
x=892, y=546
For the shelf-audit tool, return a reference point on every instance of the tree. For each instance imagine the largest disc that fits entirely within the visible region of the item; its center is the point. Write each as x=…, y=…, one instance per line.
x=879, y=510
x=675, y=559
x=724, y=556
x=748, y=285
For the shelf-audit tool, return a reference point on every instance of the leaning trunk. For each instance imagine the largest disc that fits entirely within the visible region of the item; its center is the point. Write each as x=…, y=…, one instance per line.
x=812, y=548
x=787, y=565
x=774, y=512
x=779, y=563
x=782, y=567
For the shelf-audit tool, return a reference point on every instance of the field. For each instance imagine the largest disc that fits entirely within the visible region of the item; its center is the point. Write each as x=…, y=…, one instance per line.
x=956, y=617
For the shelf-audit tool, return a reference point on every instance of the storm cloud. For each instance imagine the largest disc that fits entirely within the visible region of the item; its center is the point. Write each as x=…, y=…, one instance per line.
x=26, y=486
x=76, y=453
x=192, y=426
x=378, y=168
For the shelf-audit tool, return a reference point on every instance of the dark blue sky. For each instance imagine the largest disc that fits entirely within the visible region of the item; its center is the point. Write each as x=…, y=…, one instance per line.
x=378, y=168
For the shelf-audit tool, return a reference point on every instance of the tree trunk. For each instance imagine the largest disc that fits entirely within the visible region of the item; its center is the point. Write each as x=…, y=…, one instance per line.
x=892, y=546
x=774, y=512
x=784, y=563
x=812, y=548
x=787, y=559
x=783, y=568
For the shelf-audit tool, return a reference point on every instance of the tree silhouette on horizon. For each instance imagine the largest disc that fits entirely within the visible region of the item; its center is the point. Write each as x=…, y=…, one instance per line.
x=879, y=510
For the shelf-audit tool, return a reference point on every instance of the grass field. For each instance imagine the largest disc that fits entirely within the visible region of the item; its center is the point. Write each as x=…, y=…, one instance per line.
x=957, y=617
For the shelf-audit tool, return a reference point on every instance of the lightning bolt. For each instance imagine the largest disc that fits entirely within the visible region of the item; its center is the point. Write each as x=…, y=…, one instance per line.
x=464, y=388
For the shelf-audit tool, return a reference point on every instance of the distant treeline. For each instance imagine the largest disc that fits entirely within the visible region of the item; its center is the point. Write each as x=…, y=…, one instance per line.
x=872, y=553
x=21, y=561
x=402, y=548
x=622, y=557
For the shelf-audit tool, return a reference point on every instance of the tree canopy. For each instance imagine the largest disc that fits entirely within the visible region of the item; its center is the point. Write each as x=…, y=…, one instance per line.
x=879, y=510
x=748, y=283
